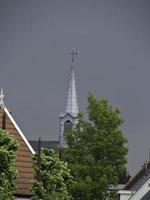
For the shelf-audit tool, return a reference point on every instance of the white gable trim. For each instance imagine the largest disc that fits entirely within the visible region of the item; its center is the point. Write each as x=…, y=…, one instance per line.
x=19, y=130
x=138, y=195
x=142, y=191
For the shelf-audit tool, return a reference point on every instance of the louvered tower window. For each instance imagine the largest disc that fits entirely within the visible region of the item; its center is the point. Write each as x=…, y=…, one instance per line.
x=68, y=126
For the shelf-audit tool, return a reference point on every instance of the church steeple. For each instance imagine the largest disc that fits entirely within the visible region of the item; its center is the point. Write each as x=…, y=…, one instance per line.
x=72, y=101
x=68, y=119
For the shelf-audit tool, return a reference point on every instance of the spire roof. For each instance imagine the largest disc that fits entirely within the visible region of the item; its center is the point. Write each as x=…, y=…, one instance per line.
x=72, y=100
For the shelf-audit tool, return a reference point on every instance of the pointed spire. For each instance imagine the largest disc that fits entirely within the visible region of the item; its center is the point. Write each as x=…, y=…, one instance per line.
x=72, y=100
x=1, y=97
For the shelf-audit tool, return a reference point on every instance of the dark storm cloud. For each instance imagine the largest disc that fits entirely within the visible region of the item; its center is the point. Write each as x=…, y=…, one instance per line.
x=112, y=38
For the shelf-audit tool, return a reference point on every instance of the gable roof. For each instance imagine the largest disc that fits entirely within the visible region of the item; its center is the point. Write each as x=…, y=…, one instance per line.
x=23, y=162
x=139, y=179
x=142, y=193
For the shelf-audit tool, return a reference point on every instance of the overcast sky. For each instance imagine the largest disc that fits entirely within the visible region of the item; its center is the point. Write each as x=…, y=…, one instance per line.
x=112, y=39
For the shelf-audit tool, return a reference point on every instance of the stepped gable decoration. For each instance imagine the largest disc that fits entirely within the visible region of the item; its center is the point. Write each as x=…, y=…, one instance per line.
x=24, y=154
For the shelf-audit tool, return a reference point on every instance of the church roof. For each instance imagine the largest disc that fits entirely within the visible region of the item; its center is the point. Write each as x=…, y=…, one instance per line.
x=44, y=144
x=23, y=162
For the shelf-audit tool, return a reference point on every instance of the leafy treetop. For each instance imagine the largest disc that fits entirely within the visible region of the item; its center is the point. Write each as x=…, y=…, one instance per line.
x=8, y=173
x=53, y=177
x=96, y=151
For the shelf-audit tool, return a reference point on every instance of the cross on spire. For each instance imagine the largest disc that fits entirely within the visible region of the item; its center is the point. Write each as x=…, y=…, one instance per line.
x=1, y=97
x=73, y=53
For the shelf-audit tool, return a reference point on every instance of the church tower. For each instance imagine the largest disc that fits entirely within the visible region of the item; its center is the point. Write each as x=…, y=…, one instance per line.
x=68, y=119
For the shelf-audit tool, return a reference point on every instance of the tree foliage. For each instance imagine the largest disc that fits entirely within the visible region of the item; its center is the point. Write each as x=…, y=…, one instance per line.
x=53, y=177
x=8, y=173
x=96, y=151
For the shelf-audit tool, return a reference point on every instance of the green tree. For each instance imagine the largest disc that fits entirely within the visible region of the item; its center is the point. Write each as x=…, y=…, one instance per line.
x=8, y=173
x=53, y=177
x=96, y=152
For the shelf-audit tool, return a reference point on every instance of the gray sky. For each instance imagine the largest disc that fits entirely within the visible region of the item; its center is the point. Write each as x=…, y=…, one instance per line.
x=112, y=39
